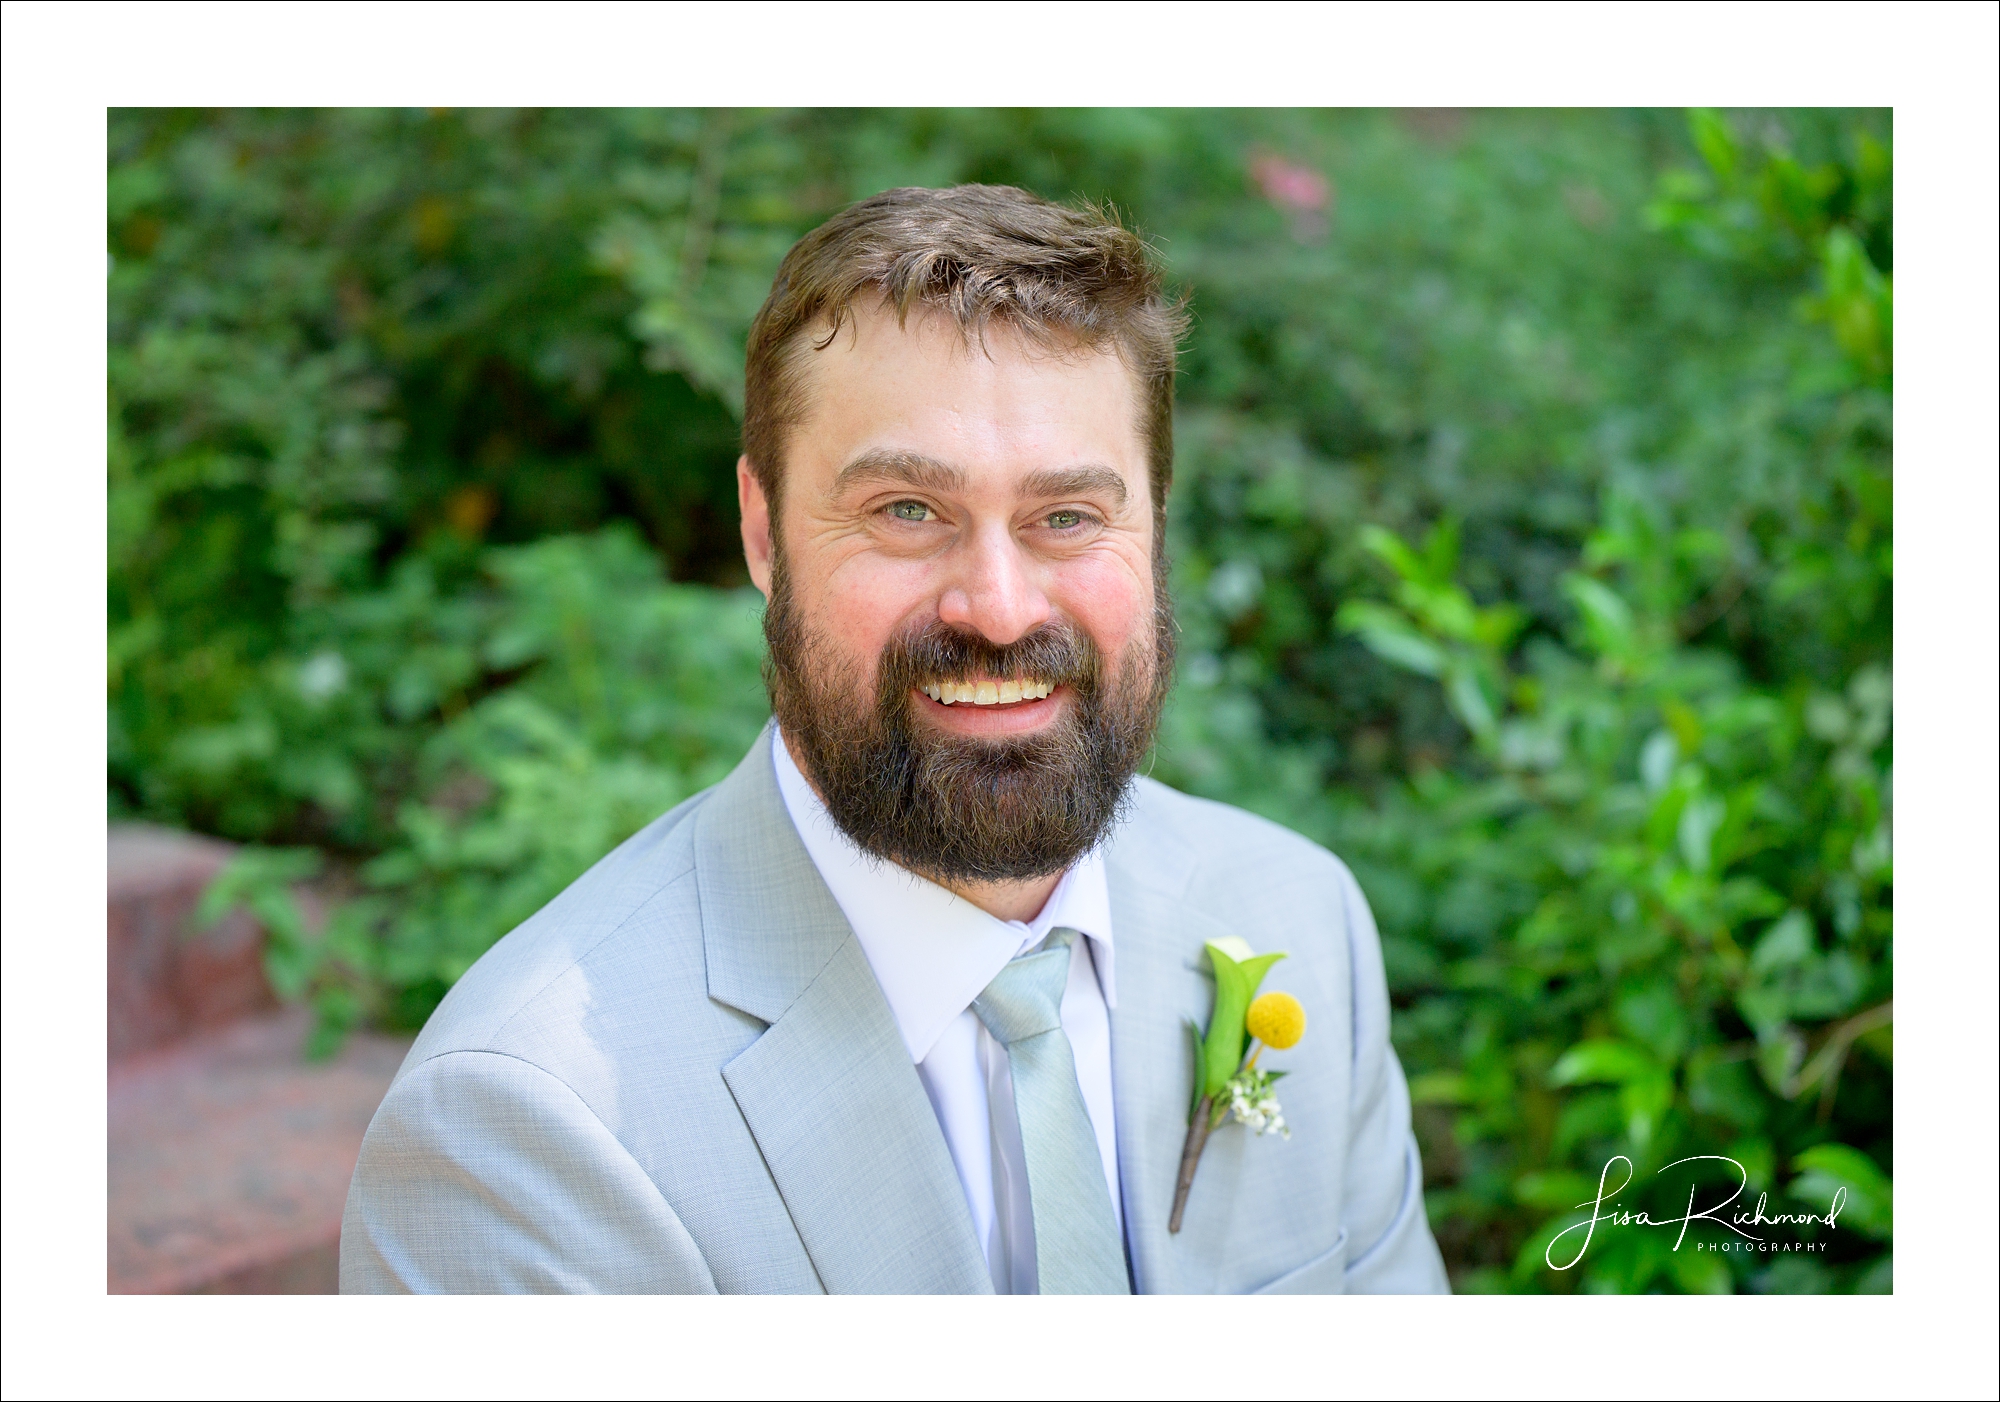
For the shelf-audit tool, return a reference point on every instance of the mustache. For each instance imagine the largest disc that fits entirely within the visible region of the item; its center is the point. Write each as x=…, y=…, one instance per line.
x=948, y=806
x=1055, y=652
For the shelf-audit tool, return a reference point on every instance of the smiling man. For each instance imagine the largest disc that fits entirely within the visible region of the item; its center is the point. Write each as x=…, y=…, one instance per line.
x=904, y=1004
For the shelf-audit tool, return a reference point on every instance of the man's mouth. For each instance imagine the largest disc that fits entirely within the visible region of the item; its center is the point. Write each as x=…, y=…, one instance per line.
x=987, y=693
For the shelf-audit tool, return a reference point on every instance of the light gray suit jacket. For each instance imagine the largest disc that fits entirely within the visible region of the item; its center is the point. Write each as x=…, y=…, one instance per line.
x=681, y=1076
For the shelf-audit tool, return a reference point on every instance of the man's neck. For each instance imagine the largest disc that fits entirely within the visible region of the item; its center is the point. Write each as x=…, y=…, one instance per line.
x=1006, y=900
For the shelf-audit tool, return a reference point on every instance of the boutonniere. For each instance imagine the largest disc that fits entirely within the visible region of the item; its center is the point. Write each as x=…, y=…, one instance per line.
x=1228, y=1083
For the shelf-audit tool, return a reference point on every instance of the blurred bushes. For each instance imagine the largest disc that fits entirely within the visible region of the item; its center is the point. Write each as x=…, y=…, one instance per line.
x=1531, y=538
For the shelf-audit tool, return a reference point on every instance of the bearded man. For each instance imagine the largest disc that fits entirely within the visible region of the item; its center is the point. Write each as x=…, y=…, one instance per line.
x=911, y=1001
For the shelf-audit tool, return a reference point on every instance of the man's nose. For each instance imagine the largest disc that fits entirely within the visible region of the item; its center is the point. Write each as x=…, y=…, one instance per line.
x=992, y=588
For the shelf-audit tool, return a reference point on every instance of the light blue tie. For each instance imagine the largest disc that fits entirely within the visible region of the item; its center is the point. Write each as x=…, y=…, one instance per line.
x=1078, y=1250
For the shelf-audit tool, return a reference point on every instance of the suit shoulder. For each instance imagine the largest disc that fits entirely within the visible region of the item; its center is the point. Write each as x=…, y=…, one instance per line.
x=1219, y=837
x=1254, y=877
x=648, y=875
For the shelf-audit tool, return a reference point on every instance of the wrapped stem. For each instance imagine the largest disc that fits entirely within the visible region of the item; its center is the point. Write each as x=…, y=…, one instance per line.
x=1206, y=1118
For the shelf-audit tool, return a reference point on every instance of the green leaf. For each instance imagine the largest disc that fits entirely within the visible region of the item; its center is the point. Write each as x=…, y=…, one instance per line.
x=1787, y=944
x=1878, y=1277
x=1838, y=1172
x=1696, y=831
x=253, y=872
x=1607, y=618
x=1714, y=140
x=1556, y=1191
x=336, y=1012
x=1602, y=1061
x=1469, y=701
x=1390, y=636
x=1857, y=301
x=1235, y=985
x=1441, y=550
x=1441, y=1088
x=1653, y=1016
x=1699, y=1273
x=1200, y=1078
x=1645, y=1101
x=1390, y=548
x=1791, y=978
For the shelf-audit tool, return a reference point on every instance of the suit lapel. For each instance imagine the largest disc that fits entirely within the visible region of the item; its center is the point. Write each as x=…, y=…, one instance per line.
x=850, y=1137
x=828, y=1090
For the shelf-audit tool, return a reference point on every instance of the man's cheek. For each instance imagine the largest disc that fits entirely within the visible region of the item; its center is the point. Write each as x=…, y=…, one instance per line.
x=868, y=604
x=1113, y=609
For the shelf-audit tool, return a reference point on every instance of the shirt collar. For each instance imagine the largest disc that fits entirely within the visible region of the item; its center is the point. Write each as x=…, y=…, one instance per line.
x=933, y=952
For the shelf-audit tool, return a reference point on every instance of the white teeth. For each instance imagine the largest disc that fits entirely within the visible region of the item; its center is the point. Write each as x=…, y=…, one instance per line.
x=986, y=693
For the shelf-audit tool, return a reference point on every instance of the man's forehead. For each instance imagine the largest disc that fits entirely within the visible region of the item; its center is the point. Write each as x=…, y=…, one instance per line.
x=914, y=399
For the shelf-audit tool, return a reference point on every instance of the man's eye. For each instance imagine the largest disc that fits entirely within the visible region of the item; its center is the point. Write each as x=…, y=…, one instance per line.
x=1065, y=520
x=910, y=511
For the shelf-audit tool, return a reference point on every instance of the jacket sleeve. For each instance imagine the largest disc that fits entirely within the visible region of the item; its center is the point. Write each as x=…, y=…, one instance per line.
x=482, y=1173
x=1390, y=1250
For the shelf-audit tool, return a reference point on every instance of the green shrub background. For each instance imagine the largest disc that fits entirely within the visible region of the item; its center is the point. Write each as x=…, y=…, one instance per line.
x=1531, y=540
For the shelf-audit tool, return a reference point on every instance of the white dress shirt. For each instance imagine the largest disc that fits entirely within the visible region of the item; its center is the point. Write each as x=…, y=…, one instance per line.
x=933, y=953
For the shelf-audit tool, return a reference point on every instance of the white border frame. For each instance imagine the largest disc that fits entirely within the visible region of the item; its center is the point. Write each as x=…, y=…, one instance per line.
x=64, y=64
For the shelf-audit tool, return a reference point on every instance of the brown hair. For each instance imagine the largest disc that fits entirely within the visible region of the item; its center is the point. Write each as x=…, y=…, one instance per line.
x=1062, y=277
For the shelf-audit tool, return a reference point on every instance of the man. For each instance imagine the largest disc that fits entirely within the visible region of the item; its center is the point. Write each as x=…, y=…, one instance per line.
x=904, y=1004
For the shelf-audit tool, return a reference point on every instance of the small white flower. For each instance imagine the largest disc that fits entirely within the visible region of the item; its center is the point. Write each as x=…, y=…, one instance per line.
x=1252, y=1103
x=1236, y=947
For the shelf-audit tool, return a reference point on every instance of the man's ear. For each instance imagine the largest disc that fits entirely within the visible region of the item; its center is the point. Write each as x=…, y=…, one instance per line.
x=756, y=511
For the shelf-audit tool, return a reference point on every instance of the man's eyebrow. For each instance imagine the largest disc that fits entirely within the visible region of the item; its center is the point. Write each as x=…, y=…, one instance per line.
x=917, y=470
x=1088, y=480
x=913, y=469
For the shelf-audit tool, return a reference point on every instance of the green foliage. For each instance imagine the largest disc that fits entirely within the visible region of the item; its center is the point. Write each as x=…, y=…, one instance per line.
x=622, y=695
x=1531, y=545
x=1644, y=909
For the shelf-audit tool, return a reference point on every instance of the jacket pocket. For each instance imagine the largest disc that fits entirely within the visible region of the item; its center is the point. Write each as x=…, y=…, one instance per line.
x=1324, y=1274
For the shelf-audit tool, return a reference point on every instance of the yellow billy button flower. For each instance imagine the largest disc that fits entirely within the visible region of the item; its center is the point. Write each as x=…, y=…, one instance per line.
x=1277, y=1020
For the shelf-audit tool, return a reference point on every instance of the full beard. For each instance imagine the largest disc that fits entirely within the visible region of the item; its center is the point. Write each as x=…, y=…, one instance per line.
x=961, y=808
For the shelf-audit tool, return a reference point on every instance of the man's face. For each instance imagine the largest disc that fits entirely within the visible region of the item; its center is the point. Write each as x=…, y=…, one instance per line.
x=967, y=650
